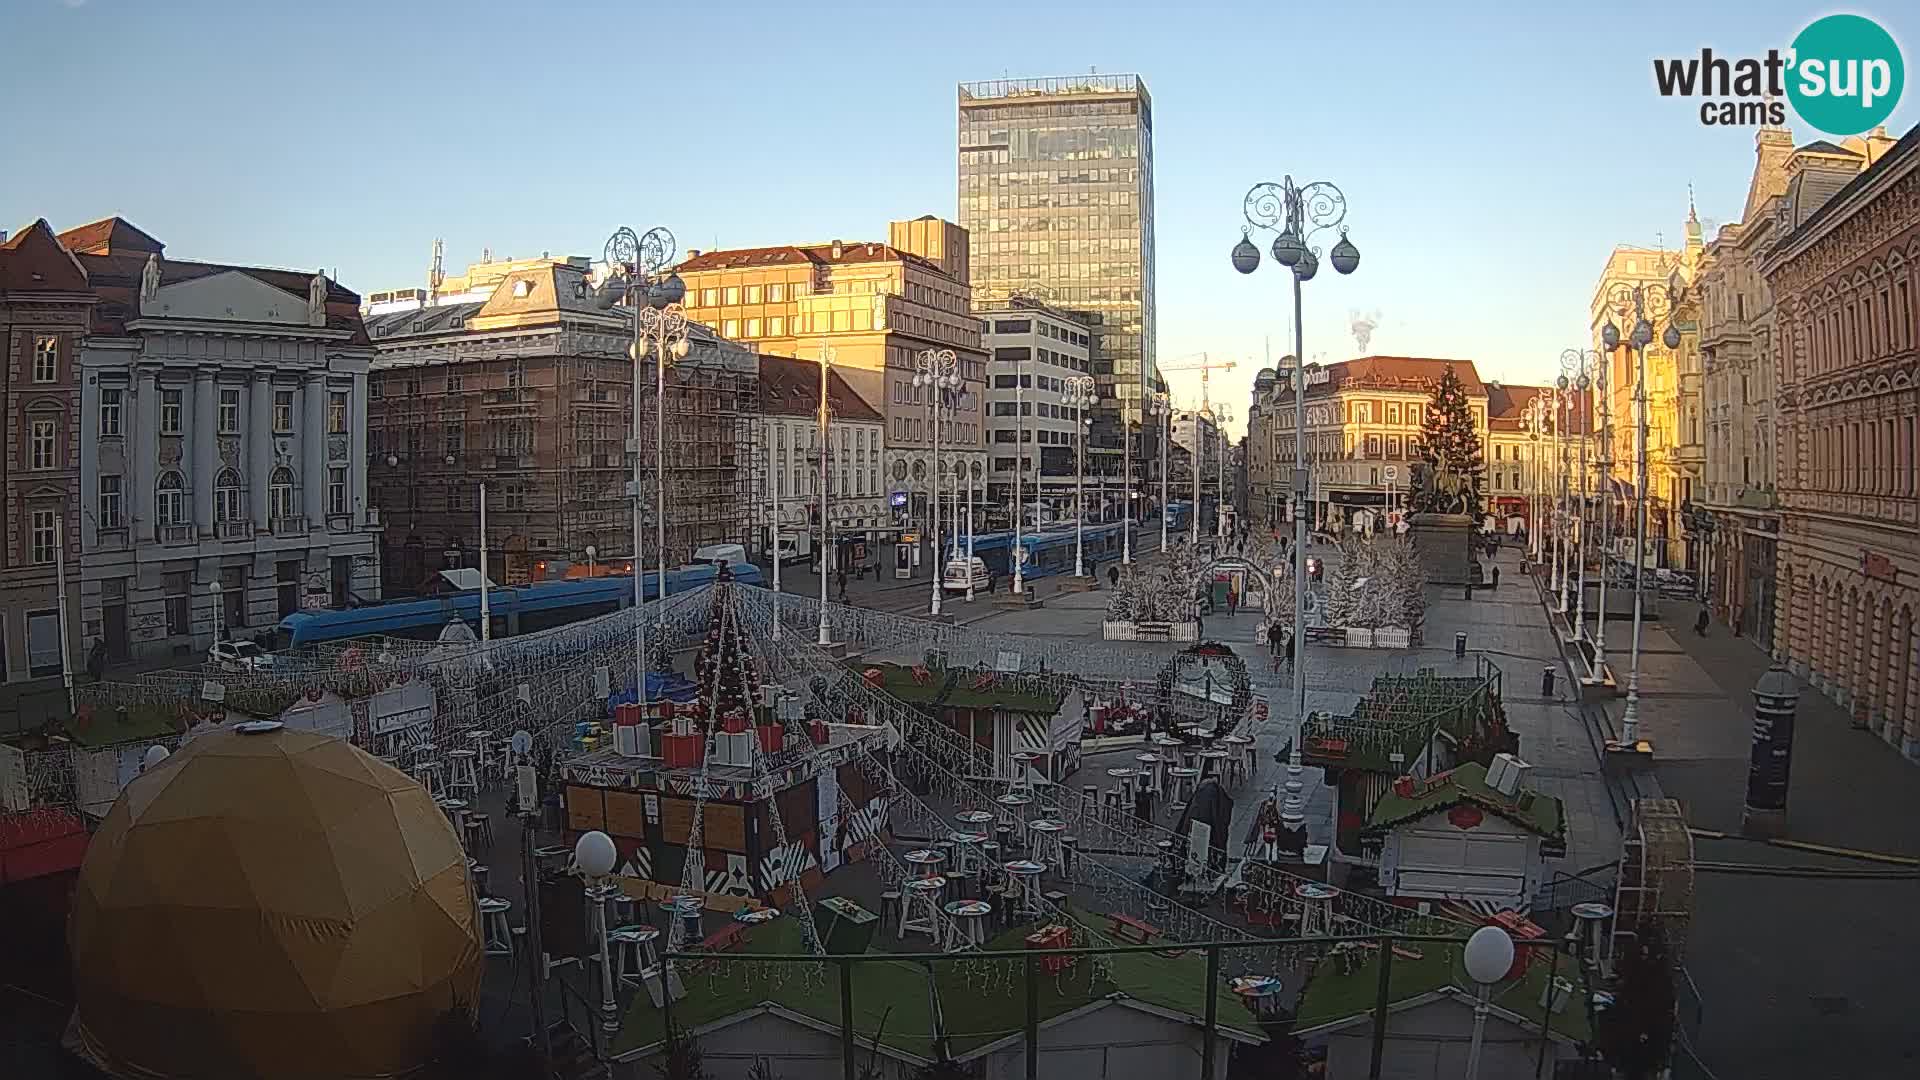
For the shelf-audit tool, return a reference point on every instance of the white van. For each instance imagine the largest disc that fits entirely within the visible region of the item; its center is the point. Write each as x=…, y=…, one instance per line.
x=958, y=570
x=793, y=547
x=721, y=555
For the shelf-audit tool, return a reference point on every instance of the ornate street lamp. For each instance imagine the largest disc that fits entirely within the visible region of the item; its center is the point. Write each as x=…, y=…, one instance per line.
x=1162, y=407
x=632, y=262
x=1577, y=365
x=937, y=370
x=1298, y=213
x=1080, y=397
x=1649, y=304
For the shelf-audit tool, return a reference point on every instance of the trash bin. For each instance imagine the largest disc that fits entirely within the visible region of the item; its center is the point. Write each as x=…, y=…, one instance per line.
x=1546, y=681
x=1460, y=644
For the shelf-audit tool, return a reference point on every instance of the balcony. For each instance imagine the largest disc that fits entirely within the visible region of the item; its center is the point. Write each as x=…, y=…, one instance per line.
x=234, y=530
x=293, y=525
x=176, y=534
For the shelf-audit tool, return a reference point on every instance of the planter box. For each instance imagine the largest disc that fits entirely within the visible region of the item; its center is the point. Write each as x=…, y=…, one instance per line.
x=1151, y=631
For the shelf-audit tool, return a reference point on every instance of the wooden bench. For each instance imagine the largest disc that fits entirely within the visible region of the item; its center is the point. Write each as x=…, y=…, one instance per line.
x=1128, y=928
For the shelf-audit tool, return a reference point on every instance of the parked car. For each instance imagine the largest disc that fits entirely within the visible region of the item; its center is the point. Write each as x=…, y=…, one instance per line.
x=239, y=656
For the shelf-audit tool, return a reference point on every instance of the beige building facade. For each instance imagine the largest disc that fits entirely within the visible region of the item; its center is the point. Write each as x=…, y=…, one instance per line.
x=1844, y=284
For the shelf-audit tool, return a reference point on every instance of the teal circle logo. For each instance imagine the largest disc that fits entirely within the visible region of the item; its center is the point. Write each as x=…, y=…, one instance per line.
x=1846, y=74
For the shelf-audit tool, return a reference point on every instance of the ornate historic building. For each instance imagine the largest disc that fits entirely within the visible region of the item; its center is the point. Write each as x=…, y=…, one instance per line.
x=1844, y=287
x=530, y=392
x=223, y=458
x=1738, y=345
x=44, y=301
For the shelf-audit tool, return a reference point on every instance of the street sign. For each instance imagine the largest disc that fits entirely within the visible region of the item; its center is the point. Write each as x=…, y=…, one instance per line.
x=1393, y=473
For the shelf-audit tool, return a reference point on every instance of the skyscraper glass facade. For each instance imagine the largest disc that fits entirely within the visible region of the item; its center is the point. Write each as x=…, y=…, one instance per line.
x=1056, y=189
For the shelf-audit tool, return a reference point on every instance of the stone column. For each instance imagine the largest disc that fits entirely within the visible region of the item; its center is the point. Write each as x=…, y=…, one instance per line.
x=313, y=448
x=260, y=449
x=357, y=450
x=143, y=466
x=204, y=459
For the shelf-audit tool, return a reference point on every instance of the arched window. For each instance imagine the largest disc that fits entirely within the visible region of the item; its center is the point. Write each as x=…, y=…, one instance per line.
x=170, y=507
x=280, y=493
x=229, y=498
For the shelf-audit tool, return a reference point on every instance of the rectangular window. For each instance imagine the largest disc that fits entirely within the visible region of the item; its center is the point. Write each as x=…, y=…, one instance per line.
x=178, y=586
x=110, y=400
x=709, y=297
x=753, y=294
x=776, y=294
x=337, y=492
x=41, y=538
x=110, y=505
x=732, y=295
x=42, y=440
x=753, y=328
x=43, y=644
x=229, y=412
x=776, y=326
x=337, y=412
x=283, y=411
x=46, y=358
x=730, y=328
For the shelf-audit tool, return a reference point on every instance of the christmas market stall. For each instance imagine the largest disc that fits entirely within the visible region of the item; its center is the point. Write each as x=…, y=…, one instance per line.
x=1471, y=834
x=1005, y=714
x=1417, y=725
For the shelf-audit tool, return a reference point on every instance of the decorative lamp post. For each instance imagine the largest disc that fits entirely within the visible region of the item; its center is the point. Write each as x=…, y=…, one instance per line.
x=1605, y=482
x=1199, y=462
x=824, y=636
x=1080, y=397
x=1222, y=415
x=594, y=856
x=1536, y=422
x=1562, y=568
x=1649, y=304
x=937, y=371
x=1578, y=365
x=1298, y=213
x=1488, y=957
x=1018, y=549
x=1163, y=408
x=972, y=470
x=631, y=260
x=1126, y=496
x=219, y=614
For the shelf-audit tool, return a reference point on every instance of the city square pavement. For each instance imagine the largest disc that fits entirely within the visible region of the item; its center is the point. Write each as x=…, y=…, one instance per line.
x=1803, y=970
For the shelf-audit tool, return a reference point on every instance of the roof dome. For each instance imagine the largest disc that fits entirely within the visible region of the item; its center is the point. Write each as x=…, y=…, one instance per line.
x=276, y=903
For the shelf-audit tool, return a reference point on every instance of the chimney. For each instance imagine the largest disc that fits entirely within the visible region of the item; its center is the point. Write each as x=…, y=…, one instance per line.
x=836, y=249
x=693, y=253
x=3, y=236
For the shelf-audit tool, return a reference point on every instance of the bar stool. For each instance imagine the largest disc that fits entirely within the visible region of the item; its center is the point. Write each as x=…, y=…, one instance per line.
x=462, y=780
x=989, y=866
x=479, y=831
x=966, y=924
x=1090, y=799
x=495, y=931
x=966, y=849
x=1316, y=908
x=1125, y=776
x=1183, y=782
x=477, y=871
x=1113, y=797
x=1151, y=768
x=426, y=773
x=482, y=742
x=1189, y=756
x=1023, y=772
x=1003, y=837
x=633, y=943
x=1070, y=858
x=890, y=907
x=921, y=911
x=1212, y=763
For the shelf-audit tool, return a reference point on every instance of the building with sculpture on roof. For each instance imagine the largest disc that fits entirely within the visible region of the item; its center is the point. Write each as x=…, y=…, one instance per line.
x=1848, y=399
x=222, y=447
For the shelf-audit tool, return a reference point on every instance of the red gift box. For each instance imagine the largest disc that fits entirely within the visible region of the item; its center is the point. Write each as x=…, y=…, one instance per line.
x=817, y=730
x=1051, y=937
x=734, y=722
x=772, y=738
x=682, y=751
x=626, y=715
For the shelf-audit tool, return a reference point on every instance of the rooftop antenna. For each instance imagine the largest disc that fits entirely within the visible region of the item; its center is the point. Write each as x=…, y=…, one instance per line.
x=437, y=273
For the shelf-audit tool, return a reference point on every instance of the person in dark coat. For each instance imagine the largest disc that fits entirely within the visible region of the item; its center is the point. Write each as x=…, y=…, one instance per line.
x=97, y=659
x=1700, y=624
x=1113, y=576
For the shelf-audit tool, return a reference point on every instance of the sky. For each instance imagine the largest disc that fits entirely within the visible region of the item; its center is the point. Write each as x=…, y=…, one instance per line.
x=1491, y=154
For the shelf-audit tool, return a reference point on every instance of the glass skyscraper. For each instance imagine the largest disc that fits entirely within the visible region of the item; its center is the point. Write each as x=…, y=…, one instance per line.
x=1056, y=189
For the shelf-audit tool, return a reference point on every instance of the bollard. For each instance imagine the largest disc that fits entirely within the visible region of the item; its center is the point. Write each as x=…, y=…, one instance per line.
x=1546, y=681
x=1460, y=645
x=1775, y=700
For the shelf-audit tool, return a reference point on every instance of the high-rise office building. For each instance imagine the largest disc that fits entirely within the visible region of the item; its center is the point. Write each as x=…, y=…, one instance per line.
x=1056, y=190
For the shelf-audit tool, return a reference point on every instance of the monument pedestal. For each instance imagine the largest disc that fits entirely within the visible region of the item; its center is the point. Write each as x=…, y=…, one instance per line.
x=1444, y=545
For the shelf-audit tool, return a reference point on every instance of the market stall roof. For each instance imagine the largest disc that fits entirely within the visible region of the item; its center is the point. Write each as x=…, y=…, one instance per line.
x=1338, y=997
x=963, y=688
x=1466, y=784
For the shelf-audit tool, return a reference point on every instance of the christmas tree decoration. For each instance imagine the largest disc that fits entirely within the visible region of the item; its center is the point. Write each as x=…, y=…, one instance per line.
x=1449, y=476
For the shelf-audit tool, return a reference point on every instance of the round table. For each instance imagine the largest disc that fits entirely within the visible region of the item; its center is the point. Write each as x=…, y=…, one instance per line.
x=974, y=817
x=927, y=859
x=682, y=904
x=1213, y=761
x=756, y=916
x=1590, y=910
x=970, y=916
x=1313, y=890
x=1024, y=868
x=1047, y=825
x=959, y=837
x=1164, y=739
x=1260, y=992
x=1121, y=772
x=1237, y=739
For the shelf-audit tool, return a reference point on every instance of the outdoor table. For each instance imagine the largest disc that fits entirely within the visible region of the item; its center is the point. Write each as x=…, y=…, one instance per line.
x=970, y=917
x=639, y=941
x=756, y=916
x=1261, y=993
x=1183, y=782
x=927, y=859
x=1210, y=762
x=974, y=817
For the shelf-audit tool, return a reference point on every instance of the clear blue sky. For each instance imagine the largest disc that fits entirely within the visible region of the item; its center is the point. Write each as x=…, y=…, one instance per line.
x=1491, y=153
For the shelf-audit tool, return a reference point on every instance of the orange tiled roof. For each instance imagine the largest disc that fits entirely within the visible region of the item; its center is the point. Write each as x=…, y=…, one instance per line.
x=32, y=260
x=790, y=386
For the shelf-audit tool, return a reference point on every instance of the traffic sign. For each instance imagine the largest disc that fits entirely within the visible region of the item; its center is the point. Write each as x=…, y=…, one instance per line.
x=1393, y=473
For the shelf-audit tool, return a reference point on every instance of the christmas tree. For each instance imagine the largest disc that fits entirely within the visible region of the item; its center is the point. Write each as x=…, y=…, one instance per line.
x=1340, y=596
x=1450, y=475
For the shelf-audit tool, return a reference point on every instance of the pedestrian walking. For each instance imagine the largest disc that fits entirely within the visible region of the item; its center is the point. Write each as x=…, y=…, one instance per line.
x=1496, y=577
x=840, y=583
x=1700, y=624
x=97, y=659
x=1233, y=603
x=1113, y=576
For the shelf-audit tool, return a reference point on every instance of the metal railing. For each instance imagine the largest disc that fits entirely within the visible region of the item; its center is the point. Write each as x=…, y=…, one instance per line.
x=837, y=972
